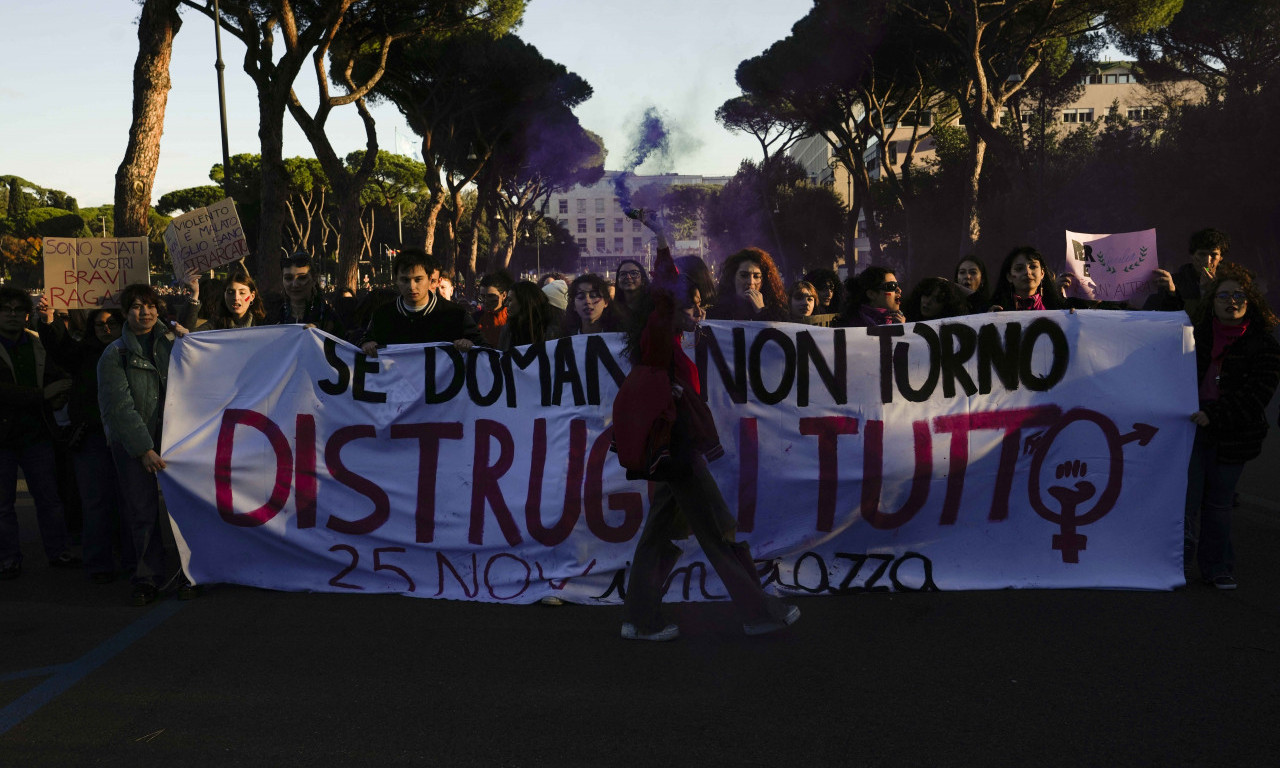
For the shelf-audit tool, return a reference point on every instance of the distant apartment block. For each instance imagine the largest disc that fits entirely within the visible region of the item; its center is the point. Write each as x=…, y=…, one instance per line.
x=605, y=236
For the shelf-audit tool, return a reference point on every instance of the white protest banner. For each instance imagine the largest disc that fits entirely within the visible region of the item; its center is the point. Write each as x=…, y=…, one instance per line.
x=88, y=272
x=1113, y=267
x=205, y=238
x=984, y=452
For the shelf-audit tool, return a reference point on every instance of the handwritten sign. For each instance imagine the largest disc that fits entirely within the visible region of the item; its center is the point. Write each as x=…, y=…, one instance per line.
x=89, y=272
x=1114, y=267
x=205, y=238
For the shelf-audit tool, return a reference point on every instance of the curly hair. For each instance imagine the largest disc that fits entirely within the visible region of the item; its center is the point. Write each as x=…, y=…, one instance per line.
x=947, y=294
x=1209, y=239
x=1257, y=310
x=771, y=287
x=856, y=288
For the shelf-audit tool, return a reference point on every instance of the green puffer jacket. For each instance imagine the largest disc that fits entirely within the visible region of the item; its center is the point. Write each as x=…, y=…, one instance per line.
x=130, y=388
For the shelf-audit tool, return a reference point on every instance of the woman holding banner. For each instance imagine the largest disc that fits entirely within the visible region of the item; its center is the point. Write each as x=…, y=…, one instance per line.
x=664, y=381
x=132, y=376
x=1026, y=283
x=1238, y=366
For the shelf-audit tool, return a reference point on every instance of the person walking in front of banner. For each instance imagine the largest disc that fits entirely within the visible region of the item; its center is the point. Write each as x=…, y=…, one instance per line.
x=94, y=469
x=663, y=389
x=1238, y=368
x=132, y=377
x=1183, y=290
x=303, y=301
x=418, y=315
x=751, y=289
x=32, y=387
x=874, y=298
x=1026, y=283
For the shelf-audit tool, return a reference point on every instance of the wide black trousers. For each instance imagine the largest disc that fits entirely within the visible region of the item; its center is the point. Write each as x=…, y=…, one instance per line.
x=693, y=504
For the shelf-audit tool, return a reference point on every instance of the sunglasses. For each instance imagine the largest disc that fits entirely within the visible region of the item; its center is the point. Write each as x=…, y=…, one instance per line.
x=1240, y=296
x=106, y=324
x=891, y=287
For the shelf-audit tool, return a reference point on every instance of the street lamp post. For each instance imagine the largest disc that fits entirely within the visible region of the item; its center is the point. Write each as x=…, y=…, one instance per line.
x=222, y=97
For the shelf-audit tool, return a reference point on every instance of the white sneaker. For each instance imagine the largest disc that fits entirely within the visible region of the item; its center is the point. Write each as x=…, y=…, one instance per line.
x=669, y=632
x=765, y=627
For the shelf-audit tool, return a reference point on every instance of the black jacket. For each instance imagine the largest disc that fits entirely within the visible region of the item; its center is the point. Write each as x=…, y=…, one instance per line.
x=1247, y=380
x=445, y=321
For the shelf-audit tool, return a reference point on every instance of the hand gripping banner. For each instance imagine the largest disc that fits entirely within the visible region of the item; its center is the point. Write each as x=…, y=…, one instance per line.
x=1020, y=449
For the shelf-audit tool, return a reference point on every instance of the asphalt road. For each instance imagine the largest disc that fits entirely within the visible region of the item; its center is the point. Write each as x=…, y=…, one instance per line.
x=246, y=677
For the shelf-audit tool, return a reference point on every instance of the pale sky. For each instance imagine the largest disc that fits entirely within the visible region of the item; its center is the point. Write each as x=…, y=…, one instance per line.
x=66, y=98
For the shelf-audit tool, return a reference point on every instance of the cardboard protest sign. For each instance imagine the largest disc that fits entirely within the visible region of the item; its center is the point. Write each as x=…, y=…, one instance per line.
x=88, y=272
x=1114, y=267
x=205, y=238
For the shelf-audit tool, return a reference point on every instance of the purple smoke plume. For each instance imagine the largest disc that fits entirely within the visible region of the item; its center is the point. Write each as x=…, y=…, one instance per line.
x=652, y=138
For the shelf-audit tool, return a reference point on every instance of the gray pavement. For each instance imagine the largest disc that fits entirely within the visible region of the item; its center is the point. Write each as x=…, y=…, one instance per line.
x=246, y=677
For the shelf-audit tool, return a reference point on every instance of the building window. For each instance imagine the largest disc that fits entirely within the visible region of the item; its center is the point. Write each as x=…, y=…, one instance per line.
x=564, y=204
x=582, y=205
x=600, y=244
x=636, y=245
x=582, y=226
x=599, y=205
x=635, y=226
x=1140, y=113
x=617, y=245
x=582, y=243
x=564, y=223
x=1077, y=116
x=924, y=119
x=599, y=225
x=617, y=225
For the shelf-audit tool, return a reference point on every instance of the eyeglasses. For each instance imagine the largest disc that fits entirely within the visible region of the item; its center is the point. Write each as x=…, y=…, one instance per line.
x=891, y=287
x=14, y=311
x=629, y=273
x=588, y=295
x=1240, y=296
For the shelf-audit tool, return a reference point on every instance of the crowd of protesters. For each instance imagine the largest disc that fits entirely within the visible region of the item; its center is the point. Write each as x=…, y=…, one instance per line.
x=82, y=394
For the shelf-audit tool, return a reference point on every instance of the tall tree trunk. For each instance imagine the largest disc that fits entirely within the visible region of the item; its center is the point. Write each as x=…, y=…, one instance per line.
x=135, y=177
x=433, y=216
x=350, y=238
x=275, y=186
x=972, y=216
